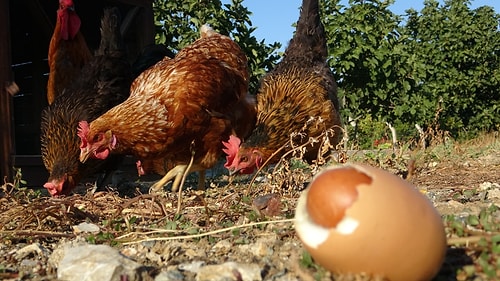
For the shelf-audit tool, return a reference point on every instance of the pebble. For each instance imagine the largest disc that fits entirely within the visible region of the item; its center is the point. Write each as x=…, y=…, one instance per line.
x=192, y=266
x=493, y=194
x=86, y=227
x=170, y=275
x=95, y=262
x=229, y=271
x=260, y=248
x=34, y=248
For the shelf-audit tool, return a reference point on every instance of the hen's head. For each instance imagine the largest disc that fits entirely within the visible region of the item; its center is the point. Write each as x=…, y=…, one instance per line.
x=69, y=20
x=60, y=186
x=94, y=144
x=238, y=159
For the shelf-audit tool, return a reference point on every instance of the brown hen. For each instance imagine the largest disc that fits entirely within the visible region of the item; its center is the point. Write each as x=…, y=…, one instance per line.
x=68, y=51
x=242, y=116
x=104, y=83
x=298, y=96
x=176, y=109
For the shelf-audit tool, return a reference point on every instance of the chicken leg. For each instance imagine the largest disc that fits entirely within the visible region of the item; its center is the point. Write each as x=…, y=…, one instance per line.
x=176, y=174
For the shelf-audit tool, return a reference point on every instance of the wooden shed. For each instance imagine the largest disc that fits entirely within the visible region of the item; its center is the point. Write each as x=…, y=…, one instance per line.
x=26, y=27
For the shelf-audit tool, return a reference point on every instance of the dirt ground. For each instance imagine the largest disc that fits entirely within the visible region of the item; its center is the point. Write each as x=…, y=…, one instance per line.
x=252, y=224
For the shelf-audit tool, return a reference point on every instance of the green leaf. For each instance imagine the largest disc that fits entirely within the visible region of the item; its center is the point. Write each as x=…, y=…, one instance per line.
x=473, y=220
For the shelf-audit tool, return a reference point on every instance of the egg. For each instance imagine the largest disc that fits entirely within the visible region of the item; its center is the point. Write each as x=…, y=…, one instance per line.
x=361, y=219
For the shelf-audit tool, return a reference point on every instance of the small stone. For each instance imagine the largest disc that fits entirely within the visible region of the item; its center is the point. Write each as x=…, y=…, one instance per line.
x=222, y=244
x=488, y=185
x=432, y=164
x=95, y=262
x=129, y=252
x=267, y=205
x=28, y=263
x=229, y=271
x=493, y=194
x=170, y=275
x=192, y=266
x=455, y=204
x=260, y=248
x=86, y=227
x=31, y=249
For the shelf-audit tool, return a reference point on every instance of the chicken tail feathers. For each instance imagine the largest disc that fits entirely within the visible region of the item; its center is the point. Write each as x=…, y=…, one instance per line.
x=206, y=31
x=111, y=38
x=309, y=36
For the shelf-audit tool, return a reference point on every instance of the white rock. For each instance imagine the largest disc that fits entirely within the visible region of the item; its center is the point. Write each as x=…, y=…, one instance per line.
x=28, y=263
x=432, y=164
x=59, y=251
x=86, y=227
x=261, y=248
x=95, y=263
x=488, y=185
x=455, y=204
x=31, y=249
x=170, y=275
x=493, y=194
x=192, y=266
x=229, y=271
x=222, y=244
x=129, y=252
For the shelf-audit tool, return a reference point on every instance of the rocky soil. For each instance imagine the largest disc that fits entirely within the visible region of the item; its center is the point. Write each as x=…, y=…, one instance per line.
x=237, y=229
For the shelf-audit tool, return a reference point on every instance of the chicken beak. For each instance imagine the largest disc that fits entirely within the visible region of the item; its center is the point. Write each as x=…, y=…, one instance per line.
x=233, y=171
x=84, y=154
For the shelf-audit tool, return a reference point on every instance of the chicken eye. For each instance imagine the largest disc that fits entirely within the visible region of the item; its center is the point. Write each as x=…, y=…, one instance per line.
x=243, y=159
x=97, y=138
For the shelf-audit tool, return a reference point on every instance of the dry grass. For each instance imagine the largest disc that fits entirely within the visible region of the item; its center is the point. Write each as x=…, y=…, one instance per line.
x=229, y=207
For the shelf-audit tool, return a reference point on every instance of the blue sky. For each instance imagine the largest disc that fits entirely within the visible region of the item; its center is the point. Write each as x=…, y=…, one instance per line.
x=274, y=18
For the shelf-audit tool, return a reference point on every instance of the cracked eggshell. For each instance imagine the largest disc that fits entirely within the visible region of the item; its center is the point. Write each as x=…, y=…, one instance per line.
x=361, y=219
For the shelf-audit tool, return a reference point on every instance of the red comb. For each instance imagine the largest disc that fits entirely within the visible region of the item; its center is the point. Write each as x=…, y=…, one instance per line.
x=83, y=130
x=231, y=149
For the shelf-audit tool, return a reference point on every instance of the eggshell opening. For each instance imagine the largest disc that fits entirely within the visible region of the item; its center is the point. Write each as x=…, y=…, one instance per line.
x=332, y=193
x=397, y=232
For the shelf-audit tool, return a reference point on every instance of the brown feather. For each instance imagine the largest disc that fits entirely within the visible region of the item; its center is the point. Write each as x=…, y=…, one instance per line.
x=299, y=89
x=174, y=103
x=66, y=57
x=104, y=83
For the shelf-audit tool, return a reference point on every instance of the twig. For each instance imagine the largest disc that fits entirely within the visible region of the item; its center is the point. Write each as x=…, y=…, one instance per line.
x=421, y=133
x=467, y=240
x=393, y=135
x=262, y=167
x=310, y=141
x=36, y=233
x=202, y=234
x=133, y=200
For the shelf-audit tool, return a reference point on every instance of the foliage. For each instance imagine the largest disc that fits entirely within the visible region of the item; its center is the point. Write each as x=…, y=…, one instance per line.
x=459, y=48
x=369, y=59
x=18, y=179
x=178, y=24
x=482, y=231
x=17, y=189
x=438, y=67
x=405, y=70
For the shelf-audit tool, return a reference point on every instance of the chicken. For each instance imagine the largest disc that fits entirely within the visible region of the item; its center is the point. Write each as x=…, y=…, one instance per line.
x=298, y=96
x=149, y=56
x=177, y=109
x=68, y=51
x=243, y=116
x=104, y=83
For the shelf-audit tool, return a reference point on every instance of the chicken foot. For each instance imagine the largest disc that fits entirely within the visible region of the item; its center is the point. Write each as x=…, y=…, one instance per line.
x=176, y=174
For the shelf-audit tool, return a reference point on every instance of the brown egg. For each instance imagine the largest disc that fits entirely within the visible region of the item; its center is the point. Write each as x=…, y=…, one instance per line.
x=361, y=219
